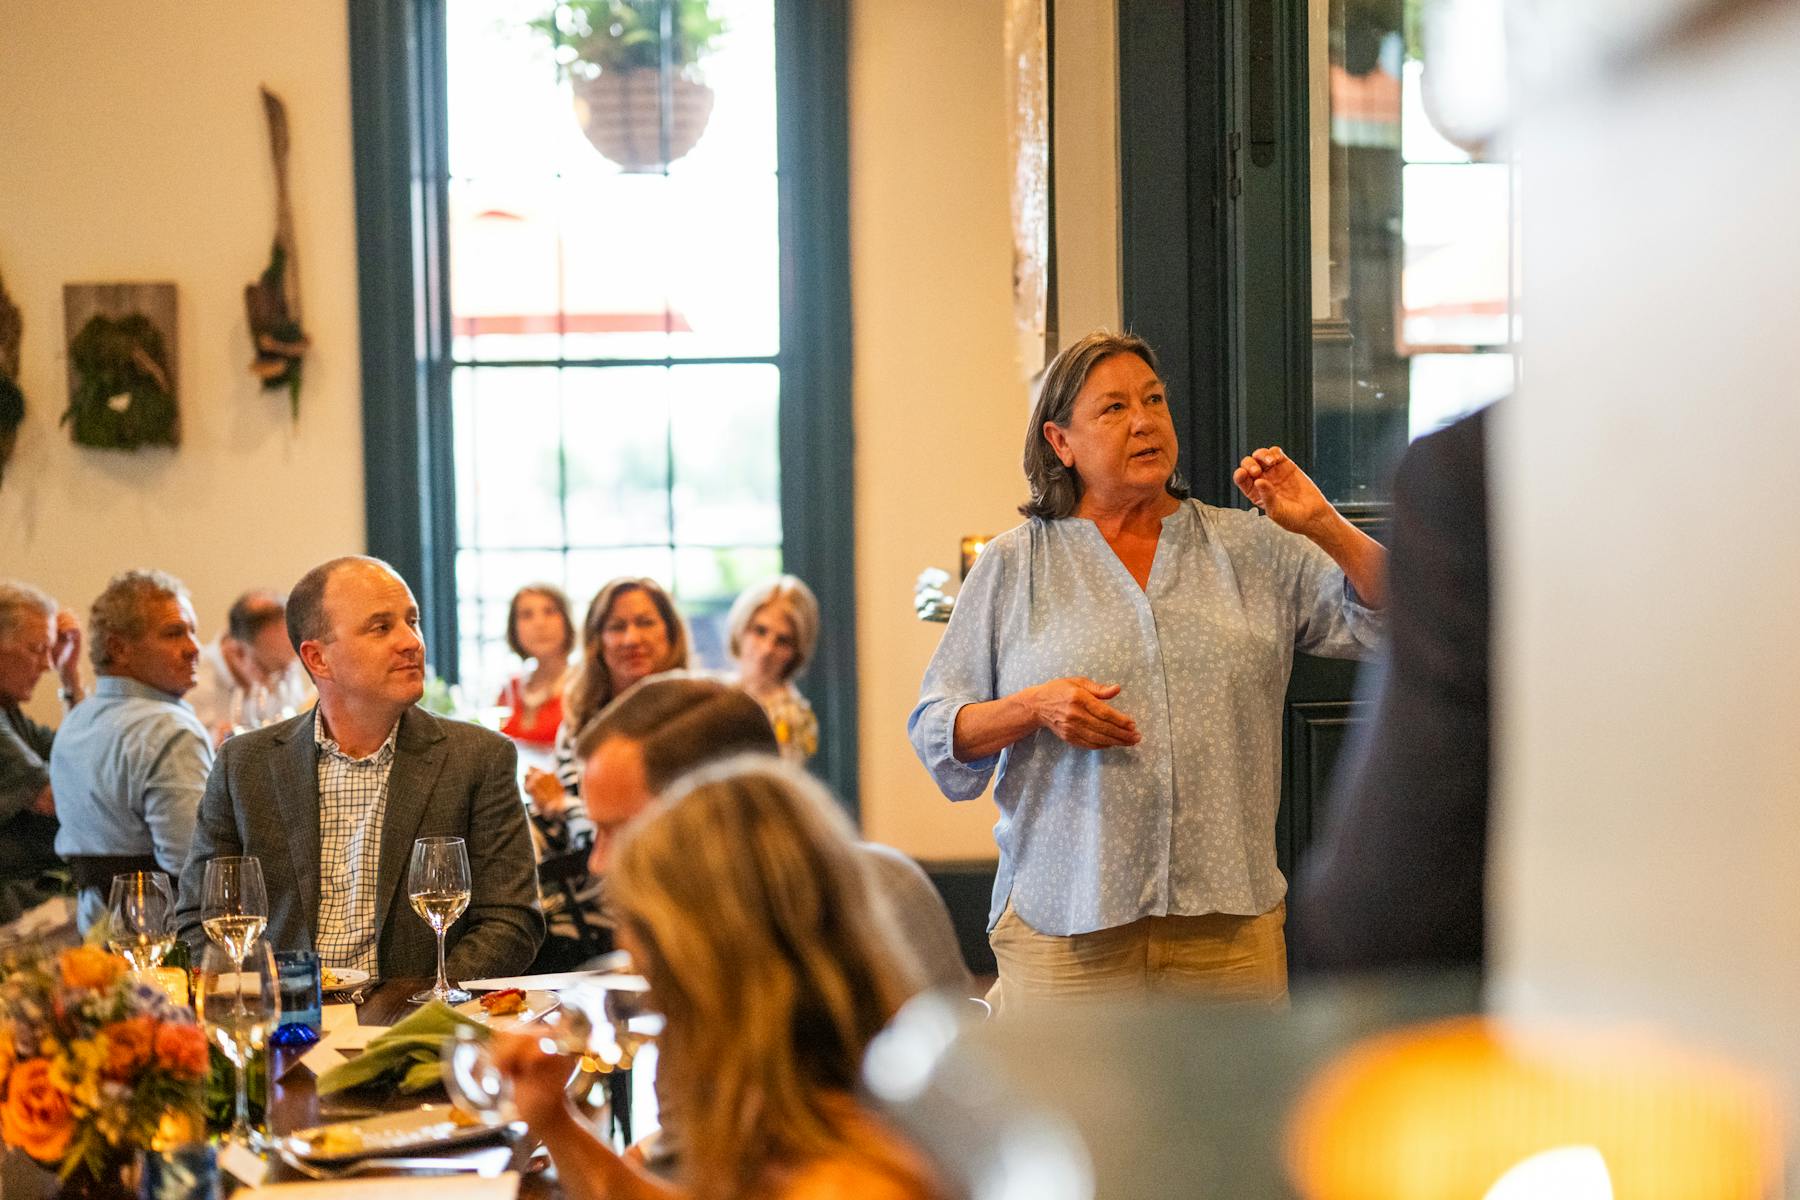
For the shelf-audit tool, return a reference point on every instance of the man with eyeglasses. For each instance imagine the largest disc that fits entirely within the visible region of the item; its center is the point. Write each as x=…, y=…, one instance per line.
x=34, y=637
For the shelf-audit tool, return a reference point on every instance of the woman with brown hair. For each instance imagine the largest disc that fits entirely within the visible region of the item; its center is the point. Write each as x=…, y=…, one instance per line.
x=632, y=631
x=540, y=631
x=741, y=899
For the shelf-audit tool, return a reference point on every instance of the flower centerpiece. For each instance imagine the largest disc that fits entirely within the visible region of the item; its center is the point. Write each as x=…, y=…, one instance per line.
x=94, y=1066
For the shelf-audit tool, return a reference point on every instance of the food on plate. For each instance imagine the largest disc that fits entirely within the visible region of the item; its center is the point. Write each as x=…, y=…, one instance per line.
x=334, y=1141
x=504, y=1002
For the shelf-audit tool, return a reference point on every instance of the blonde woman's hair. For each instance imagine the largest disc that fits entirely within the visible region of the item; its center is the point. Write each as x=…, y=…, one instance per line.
x=792, y=594
x=591, y=688
x=765, y=953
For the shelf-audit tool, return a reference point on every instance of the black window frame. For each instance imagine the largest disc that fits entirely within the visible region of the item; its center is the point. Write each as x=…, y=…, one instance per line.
x=399, y=91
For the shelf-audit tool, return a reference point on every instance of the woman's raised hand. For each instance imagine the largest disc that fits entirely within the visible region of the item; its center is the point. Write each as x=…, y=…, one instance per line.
x=1075, y=710
x=1274, y=483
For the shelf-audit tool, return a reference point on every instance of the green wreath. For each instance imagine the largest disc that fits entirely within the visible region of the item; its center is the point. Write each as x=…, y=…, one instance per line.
x=125, y=398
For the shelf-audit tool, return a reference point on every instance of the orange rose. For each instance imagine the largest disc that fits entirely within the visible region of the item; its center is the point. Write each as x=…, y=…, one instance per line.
x=181, y=1050
x=90, y=967
x=127, y=1046
x=36, y=1116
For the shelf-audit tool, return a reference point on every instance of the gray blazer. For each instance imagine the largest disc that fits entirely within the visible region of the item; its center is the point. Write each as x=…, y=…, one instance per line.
x=450, y=779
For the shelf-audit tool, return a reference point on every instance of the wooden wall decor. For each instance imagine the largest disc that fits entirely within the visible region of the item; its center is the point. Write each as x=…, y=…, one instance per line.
x=12, y=397
x=273, y=301
x=122, y=375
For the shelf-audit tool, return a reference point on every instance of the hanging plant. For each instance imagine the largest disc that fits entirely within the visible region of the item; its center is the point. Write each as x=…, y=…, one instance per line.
x=125, y=393
x=612, y=52
x=272, y=303
x=12, y=397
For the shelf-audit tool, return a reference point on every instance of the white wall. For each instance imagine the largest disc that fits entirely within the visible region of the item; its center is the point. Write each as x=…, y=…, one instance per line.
x=136, y=150
x=940, y=397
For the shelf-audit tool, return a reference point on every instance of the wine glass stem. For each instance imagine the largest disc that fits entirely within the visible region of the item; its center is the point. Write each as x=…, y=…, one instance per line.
x=240, y=1127
x=443, y=984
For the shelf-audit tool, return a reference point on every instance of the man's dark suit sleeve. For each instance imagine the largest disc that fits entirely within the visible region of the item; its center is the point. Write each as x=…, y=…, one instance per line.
x=215, y=834
x=505, y=921
x=1399, y=877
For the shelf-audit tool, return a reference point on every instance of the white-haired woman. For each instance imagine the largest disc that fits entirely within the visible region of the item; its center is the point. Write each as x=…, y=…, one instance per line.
x=1120, y=660
x=773, y=629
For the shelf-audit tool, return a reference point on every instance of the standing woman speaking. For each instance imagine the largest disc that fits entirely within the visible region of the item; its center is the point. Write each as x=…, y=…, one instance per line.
x=1120, y=660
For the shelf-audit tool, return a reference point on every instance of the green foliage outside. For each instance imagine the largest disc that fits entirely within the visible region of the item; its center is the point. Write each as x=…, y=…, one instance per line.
x=595, y=36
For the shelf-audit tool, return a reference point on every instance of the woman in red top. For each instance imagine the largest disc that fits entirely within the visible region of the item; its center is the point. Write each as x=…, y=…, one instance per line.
x=540, y=631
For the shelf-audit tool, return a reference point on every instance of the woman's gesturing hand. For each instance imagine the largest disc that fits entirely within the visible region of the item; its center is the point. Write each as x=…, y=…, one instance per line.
x=1274, y=483
x=1075, y=710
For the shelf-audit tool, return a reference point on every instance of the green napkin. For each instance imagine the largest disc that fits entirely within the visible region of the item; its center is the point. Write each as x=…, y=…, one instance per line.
x=408, y=1055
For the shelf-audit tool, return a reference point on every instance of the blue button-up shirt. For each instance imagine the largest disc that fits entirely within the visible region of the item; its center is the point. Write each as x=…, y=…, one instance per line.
x=1183, y=822
x=127, y=770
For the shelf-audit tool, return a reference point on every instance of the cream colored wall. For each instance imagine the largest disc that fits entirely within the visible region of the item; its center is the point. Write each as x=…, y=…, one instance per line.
x=940, y=400
x=162, y=173
x=135, y=149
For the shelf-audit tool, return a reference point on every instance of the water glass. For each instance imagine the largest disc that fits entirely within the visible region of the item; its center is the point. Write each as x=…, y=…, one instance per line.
x=179, y=1173
x=302, y=1013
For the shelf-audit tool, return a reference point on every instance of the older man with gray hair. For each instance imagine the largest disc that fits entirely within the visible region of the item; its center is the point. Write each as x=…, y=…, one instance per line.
x=130, y=764
x=34, y=637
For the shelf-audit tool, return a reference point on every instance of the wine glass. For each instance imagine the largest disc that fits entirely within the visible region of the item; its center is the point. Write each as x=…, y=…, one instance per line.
x=438, y=886
x=140, y=911
x=598, y=1028
x=238, y=999
x=234, y=908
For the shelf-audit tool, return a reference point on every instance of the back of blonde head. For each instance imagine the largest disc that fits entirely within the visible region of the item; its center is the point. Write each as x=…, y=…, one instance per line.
x=774, y=970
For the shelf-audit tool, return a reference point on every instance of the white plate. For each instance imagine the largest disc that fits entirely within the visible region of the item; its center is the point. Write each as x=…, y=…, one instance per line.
x=341, y=979
x=537, y=1003
x=427, y=1127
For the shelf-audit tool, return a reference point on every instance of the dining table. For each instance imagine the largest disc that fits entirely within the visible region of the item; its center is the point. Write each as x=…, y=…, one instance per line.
x=295, y=1102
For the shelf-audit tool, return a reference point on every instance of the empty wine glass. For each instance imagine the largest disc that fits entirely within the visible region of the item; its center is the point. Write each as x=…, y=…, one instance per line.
x=141, y=918
x=234, y=907
x=600, y=1028
x=438, y=886
x=238, y=999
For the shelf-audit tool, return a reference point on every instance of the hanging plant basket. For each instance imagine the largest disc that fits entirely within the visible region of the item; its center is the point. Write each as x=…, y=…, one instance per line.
x=620, y=111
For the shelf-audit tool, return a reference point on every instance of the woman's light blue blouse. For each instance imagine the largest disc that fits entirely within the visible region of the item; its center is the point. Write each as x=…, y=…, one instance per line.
x=1183, y=822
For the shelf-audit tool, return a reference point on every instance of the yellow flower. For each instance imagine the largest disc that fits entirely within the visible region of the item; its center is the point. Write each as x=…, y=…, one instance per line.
x=90, y=967
x=8, y=1054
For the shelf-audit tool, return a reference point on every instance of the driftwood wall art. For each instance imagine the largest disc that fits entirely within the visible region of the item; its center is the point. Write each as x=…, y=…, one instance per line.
x=273, y=301
x=122, y=362
x=12, y=397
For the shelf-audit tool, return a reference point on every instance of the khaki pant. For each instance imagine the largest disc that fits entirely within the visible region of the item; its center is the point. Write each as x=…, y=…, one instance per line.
x=1216, y=955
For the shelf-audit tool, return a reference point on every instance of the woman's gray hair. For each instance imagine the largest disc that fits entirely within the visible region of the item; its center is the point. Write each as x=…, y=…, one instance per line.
x=122, y=610
x=1056, y=489
x=17, y=599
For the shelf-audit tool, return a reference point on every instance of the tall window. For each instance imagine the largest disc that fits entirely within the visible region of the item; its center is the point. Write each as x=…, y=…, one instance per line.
x=614, y=295
x=1415, y=320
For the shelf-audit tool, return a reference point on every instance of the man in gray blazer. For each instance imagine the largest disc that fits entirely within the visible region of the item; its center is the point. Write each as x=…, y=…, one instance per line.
x=332, y=801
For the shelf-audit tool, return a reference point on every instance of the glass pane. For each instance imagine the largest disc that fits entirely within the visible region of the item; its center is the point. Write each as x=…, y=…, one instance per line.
x=723, y=267
x=509, y=459
x=1455, y=290
x=616, y=422
x=506, y=293
x=707, y=580
x=508, y=111
x=485, y=583
x=616, y=237
x=727, y=489
x=1448, y=386
x=1412, y=250
x=590, y=570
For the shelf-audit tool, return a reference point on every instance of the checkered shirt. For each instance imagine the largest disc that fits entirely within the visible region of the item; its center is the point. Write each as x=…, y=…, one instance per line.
x=352, y=807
